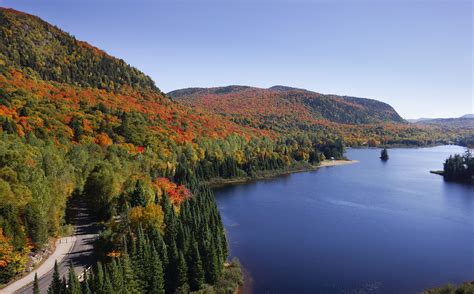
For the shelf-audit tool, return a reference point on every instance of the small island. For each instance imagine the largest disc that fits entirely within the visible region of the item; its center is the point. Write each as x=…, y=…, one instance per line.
x=384, y=154
x=458, y=168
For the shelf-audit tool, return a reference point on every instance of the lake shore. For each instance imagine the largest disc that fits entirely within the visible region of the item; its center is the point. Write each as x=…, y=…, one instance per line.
x=219, y=182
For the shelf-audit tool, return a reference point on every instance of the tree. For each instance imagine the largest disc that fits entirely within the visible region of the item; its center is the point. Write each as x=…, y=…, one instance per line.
x=156, y=277
x=384, y=154
x=73, y=284
x=36, y=289
x=182, y=271
x=196, y=272
x=130, y=285
x=56, y=285
x=101, y=187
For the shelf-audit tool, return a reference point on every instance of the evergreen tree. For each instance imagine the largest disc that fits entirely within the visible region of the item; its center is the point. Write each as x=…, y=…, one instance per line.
x=130, y=285
x=116, y=278
x=98, y=278
x=384, y=154
x=139, y=197
x=73, y=284
x=182, y=271
x=36, y=289
x=196, y=272
x=156, y=283
x=56, y=284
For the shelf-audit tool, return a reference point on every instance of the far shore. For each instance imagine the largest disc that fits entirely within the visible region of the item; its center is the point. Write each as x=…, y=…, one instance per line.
x=219, y=182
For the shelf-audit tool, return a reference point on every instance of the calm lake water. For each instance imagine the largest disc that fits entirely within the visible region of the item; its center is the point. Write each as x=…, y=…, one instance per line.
x=369, y=227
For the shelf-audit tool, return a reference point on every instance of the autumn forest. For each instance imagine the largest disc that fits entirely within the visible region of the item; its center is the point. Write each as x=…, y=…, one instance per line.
x=78, y=125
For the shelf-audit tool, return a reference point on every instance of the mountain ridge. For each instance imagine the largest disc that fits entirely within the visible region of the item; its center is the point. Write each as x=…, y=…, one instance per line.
x=311, y=105
x=53, y=54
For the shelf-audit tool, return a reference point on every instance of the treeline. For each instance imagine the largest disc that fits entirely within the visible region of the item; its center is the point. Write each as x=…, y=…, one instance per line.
x=459, y=168
x=467, y=141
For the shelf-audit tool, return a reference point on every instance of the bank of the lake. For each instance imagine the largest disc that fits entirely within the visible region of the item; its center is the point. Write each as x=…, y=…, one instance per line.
x=262, y=175
x=373, y=227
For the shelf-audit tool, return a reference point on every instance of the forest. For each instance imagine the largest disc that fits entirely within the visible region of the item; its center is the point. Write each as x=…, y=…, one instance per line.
x=79, y=124
x=283, y=110
x=137, y=158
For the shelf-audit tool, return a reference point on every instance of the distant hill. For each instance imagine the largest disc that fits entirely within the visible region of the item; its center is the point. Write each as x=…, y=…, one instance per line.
x=287, y=107
x=465, y=121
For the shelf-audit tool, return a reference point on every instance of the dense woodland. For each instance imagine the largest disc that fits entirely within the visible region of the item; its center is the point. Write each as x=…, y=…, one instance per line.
x=359, y=121
x=135, y=156
x=78, y=124
x=459, y=168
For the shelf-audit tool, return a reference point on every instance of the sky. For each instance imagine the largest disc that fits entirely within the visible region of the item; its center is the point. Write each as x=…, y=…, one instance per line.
x=415, y=55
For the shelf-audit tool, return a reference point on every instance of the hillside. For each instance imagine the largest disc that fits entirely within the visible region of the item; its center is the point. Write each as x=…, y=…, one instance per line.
x=78, y=124
x=51, y=54
x=286, y=107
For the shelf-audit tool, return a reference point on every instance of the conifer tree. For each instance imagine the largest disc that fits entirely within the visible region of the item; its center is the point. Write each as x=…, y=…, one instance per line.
x=384, y=154
x=99, y=278
x=182, y=271
x=36, y=289
x=116, y=278
x=196, y=272
x=129, y=283
x=155, y=275
x=56, y=284
x=74, y=286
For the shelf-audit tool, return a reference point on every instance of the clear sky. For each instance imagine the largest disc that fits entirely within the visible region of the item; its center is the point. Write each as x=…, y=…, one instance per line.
x=415, y=55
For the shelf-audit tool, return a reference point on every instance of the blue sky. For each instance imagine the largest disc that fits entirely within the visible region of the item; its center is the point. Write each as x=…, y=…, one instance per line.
x=415, y=55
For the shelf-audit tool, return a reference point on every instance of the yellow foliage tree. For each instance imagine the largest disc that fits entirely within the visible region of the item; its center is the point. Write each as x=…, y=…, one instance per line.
x=148, y=217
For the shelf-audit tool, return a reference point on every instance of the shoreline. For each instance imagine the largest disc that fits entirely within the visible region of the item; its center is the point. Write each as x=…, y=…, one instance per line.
x=220, y=182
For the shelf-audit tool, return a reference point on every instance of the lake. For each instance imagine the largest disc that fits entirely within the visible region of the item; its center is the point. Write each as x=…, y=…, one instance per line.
x=368, y=227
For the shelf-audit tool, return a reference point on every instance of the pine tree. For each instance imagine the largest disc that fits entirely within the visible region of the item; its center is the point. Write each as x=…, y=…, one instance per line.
x=74, y=286
x=196, y=272
x=139, y=195
x=384, y=154
x=182, y=271
x=129, y=283
x=108, y=285
x=155, y=275
x=212, y=264
x=171, y=273
x=36, y=289
x=56, y=284
x=98, y=278
x=116, y=278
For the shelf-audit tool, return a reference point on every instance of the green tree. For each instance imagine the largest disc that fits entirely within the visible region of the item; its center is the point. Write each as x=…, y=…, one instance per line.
x=56, y=284
x=73, y=284
x=155, y=275
x=196, y=272
x=384, y=154
x=36, y=289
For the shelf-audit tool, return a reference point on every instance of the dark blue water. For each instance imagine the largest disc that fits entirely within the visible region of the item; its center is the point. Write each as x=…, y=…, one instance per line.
x=369, y=227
